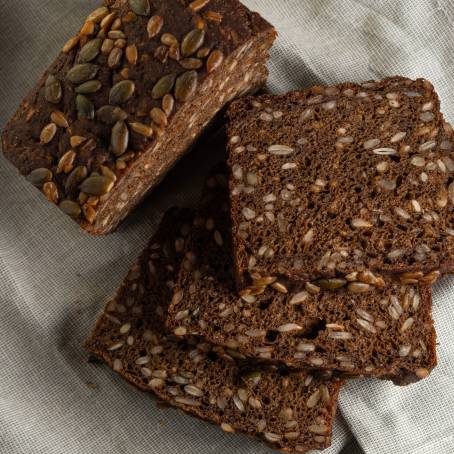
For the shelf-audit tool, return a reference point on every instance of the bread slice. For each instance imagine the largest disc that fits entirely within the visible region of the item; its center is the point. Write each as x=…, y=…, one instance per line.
x=128, y=96
x=337, y=180
x=386, y=333
x=292, y=411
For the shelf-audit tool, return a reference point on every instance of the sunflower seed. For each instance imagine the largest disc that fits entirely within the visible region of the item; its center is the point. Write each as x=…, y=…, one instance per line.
x=39, y=176
x=105, y=171
x=280, y=150
x=59, y=119
x=426, y=146
x=358, y=287
x=92, y=86
x=227, y=427
x=191, y=63
x=422, y=373
x=89, y=213
x=313, y=399
x=79, y=74
x=85, y=108
x=371, y=143
x=196, y=5
x=98, y=14
x=48, y=133
x=142, y=129
x=159, y=117
x=193, y=390
x=402, y=213
x=168, y=102
x=255, y=333
x=180, y=331
x=385, y=151
x=114, y=59
x=75, y=177
x=398, y=137
x=406, y=324
x=70, y=208
x=426, y=116
x=87, y=30
x=404, y=350
x=272, y=437
x=186, y=86
x=119, y=140
x=287, y=327
x=192, y=42
x=154, y=26
x=111, y=114
x=90, y=50
x=214, y=60
x=52, y=90
x=107, y=46
x=121, y=92
x=66, y=162
x=50, y=190
x=97, y=185
x=70, y=44
x=140, y=7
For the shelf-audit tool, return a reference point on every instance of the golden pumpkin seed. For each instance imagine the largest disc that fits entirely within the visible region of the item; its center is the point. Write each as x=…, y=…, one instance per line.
x=115, y=57
x=119, y=138
x=192, y=42
x=168, y=102
x=92, y=86
x=108, y=20
x=70, y=44
x=75, y=141
x=186, y=85
x=107, y=46
x=154, y=26
x=50, y=190
x=116, y=34
x=39, y=176
x=121, y=92
x=79, y=74
x=66, y=162
x=140, y=7
x=108, y=173
x=132, y=54
x=158, y=116
x=87, y=29
x=204, y=52
x=52, y=90
x=111, y=114
x=70, y=208
x=48, y=133
x=169, y=40
x=85, y=108
x=98, y=14
x=191, y=63
x=75, y=178
x=59, y=119
x=90, y=51
x=142, y=129
x=163, y=86
x=89, y=213
x=97, y=185
x=214, y=60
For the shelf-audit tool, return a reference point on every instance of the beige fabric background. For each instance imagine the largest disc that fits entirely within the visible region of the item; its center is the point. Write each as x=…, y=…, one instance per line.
x=54, y=279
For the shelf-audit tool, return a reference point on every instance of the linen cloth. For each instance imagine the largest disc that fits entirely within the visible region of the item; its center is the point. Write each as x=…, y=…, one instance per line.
x=55, y=279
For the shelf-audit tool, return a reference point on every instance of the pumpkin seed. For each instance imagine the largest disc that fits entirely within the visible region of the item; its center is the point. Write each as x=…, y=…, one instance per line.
x=191, y=63
x=142, y=129
x=75, y=141
x=158, y=116
x=154, y=26
x=50, y=190
x=140, y=7
x=132, y=54
x=116, y=34
x=163, y=86
x=330, y=284
x=98, y=14
x=105, y=171
x=111, y=114
x=115, y=57
x=70, y=208
x=92, y=86
x=119, y=138
x=90, y=51
x=168, y=102
x=169, y=40
x=97, y=185
x=59, y=119
x=121, y=92
x=186, y=85
x=75, y=178
x=89, y=213
x=79, y=74
x=39, y=176
x=48, y=133
x=192, y=42
x=66, y=162
x=214, y=60
x=52, y=90
x=70, y=44
x=85, y=108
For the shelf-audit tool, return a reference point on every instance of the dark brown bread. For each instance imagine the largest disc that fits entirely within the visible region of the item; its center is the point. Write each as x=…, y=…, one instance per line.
x=292, y=411
x=386, y=332
x=335, y=180
x=95, y=138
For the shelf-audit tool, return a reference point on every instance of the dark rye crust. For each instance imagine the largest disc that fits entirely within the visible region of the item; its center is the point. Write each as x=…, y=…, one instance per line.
x=366, y=183
x=386, y=332
x=292, y=411
x=140, y=46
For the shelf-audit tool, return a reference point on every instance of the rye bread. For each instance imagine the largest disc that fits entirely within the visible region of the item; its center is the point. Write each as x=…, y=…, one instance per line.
x=385, y=332
x=127, y=98
x=292, y=411
x=336, y=180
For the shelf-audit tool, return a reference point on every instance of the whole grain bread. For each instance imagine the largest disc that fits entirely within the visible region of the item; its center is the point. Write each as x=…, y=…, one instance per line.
x=333, y=181
x=385, y=332
x=128, y=96
x=292, y=411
